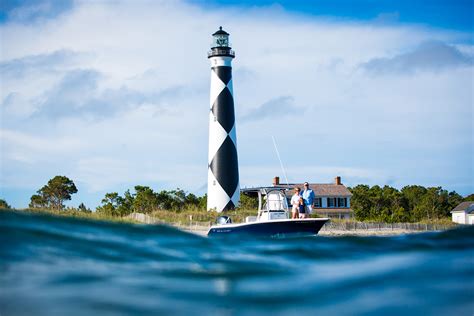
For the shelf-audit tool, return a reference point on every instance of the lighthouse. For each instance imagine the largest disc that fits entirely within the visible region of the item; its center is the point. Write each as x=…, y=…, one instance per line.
x=223, y=190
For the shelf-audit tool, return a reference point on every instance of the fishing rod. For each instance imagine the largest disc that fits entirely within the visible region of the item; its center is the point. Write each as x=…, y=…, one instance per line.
x=278, y=155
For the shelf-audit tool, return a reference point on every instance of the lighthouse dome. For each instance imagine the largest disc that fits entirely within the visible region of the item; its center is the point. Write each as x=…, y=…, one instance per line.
x=220, y=32
x=220, y=45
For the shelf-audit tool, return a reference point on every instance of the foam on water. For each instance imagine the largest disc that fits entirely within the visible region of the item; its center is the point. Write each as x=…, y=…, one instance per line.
x=66, y=266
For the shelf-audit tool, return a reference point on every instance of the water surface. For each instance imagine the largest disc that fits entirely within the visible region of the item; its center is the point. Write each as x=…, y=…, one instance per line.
x=67, y=266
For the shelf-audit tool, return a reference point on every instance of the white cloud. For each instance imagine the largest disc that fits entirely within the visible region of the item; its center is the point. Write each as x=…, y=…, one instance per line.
x=274, y=108
x=116, y=94
x=429, y=56
x=41, y=145
x=36, y=64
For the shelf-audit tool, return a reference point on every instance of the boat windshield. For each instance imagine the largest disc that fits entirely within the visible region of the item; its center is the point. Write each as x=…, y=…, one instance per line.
x=275, y=200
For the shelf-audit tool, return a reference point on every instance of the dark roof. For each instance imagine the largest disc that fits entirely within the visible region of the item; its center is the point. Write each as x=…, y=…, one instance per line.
x=323, y=189
x=463, y=206
x=220, y=31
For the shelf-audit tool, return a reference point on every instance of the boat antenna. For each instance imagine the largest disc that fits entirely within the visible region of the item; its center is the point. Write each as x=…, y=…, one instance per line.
x=278, y=155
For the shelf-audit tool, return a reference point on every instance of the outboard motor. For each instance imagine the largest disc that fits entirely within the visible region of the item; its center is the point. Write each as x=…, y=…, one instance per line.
x=223, y=220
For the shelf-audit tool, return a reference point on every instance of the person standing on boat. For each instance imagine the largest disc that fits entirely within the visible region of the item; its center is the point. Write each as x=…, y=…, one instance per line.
x=308, y=196
x=295, y=202
x=302, y=208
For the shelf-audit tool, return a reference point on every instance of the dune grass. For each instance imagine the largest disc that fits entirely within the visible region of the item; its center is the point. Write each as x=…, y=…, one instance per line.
x=173, y=217
x=192, y=216
x=76, y=214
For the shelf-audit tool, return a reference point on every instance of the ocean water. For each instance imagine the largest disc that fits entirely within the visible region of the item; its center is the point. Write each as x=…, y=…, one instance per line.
x=66, y=266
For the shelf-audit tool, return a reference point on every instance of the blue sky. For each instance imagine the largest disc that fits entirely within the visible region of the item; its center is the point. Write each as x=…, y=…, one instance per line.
x=115, y=93
x=456, y=14
x=438, y=13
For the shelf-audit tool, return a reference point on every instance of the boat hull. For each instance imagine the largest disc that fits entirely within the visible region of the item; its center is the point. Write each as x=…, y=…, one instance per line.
x=289, y=227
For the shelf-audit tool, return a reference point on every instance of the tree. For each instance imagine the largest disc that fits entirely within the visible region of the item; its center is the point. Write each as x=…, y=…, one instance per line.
x=376, y=199
x=202, y=202
x=126, y=204
x=176, y=200
x=247, y=202
x=164, y=200
x=4, y=204
x=52, y=195
x=454, y=199
x=110, y=204
x=393, y=205
x=192, y=200
x=38, y=201
x=413, y=195
x=470, y=197
x=360, y=202
x=433, y=204
x=83, y=208
x=400, y=215
x=145, y=199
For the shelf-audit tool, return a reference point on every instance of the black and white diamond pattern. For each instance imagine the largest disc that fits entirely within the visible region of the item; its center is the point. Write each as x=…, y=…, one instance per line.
x=223, y=172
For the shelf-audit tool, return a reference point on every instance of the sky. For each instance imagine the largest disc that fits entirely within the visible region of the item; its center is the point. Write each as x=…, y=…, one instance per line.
x=114, y=94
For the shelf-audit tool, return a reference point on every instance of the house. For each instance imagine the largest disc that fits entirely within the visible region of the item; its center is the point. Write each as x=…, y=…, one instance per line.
x=332, y=200
x=464, y=213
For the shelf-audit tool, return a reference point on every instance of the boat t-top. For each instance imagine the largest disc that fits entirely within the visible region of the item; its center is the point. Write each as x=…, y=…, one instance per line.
x=273, y=217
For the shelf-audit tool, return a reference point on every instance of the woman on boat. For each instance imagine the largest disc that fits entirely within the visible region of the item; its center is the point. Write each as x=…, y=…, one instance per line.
x=295, y=202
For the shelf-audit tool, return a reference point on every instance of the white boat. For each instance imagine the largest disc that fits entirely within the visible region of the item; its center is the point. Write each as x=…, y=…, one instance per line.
x=273, y=217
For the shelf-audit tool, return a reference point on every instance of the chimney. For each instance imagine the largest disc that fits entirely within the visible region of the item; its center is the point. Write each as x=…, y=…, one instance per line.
x=276, y=181
x=338, y=180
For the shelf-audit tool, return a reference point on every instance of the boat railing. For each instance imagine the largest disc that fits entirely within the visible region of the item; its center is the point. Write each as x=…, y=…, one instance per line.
x=274, y=201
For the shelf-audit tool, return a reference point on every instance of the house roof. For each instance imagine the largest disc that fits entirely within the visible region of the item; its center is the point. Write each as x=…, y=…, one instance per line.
x=323, y=189
x=467, y=207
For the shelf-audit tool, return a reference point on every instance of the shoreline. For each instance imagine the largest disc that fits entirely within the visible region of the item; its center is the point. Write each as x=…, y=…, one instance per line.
x=202, y=231
x=331, y=229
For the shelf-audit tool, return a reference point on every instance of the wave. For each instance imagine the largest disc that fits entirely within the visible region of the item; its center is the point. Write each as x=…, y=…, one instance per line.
x=60, y=265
